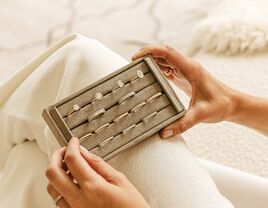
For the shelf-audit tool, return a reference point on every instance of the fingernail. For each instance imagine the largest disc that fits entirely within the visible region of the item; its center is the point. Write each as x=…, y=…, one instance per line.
x=133, y=57
x=167, y=133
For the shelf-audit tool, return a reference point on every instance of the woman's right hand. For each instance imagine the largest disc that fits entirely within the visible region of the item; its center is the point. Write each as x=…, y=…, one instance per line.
x=211, y=100
x=97, y=184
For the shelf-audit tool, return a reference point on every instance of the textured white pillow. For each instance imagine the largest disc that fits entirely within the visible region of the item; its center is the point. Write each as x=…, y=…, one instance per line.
x=233, y=26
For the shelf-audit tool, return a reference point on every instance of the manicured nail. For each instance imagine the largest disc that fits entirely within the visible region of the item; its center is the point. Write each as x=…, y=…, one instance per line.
x=167, y=133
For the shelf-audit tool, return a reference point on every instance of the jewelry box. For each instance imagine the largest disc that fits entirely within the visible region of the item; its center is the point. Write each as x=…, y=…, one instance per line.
x=118, y=111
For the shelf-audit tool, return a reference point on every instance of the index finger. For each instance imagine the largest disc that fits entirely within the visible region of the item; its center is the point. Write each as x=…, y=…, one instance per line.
x=77, y=165
x=59, y=179
x=185, y=64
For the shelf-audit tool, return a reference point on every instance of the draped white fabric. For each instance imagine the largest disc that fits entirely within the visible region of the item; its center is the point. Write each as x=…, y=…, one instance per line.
x=165, y=171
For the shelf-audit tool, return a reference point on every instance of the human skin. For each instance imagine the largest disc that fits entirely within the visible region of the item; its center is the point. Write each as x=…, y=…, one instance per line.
x=100, y=185
x=211, y=100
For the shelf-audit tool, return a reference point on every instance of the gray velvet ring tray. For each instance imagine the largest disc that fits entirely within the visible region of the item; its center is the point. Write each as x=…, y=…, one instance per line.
x=118, y=111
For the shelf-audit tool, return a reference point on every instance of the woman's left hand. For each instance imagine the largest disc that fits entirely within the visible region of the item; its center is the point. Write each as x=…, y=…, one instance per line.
x=90, y=182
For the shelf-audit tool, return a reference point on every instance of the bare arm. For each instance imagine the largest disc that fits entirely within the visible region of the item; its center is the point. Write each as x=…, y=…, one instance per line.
x=251, y=112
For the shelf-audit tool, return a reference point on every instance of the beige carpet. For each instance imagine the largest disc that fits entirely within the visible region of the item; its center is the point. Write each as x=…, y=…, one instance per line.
x=28, y=27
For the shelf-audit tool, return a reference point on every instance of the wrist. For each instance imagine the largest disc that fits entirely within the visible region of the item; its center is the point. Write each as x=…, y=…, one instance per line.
x=236, y=98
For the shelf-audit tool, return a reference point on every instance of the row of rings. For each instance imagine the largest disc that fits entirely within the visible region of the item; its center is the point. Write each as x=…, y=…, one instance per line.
x=120, y=84
x=106, y=141
x=134, y=109
x=99, y=96
x=124, y=98
x=102, y=111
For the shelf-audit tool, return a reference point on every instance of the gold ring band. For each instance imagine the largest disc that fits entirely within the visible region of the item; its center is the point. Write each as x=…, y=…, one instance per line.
x=119, y=85
x=139, y=75
x=137, y=107
x=125, y=97
x=84, y=137
x=120, y=117
x=106, y=141
x=75, y=108
x=149, y=116
x=101, y=128
x=149, y=100
x=96, y=114
x=97, y=96
x=129, y=128
x=58, y=198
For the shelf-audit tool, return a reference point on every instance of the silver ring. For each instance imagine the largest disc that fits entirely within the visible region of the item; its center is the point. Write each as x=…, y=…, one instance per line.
x=96, y=114
x=149, y=116
x=125, y=97
x=101, y=128
x=139, y=75
x=153, y=97
x=58, y=198
x=97, y=96
x=119, y=85
x=75, y=108
x=84, y=137
x=137, y=107
x=120, y=117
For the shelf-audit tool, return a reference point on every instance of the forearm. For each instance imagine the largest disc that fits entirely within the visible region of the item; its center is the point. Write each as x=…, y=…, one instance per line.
x=250, y=111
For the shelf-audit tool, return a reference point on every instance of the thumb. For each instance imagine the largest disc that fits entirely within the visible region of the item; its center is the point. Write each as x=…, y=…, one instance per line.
x=191, y=118
x=100, y=166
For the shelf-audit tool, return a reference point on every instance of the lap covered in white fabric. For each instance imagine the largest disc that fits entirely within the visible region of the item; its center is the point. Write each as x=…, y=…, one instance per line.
x=164, y=171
